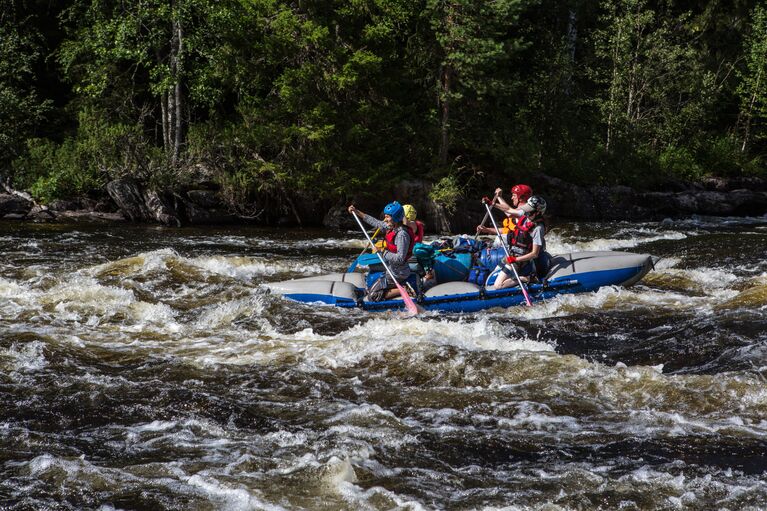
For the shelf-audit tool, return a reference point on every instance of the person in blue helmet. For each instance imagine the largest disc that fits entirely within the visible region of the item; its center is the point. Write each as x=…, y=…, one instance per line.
x=400, y=240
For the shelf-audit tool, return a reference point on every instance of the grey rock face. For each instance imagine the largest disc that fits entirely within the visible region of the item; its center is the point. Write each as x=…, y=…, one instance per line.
x=14, y=205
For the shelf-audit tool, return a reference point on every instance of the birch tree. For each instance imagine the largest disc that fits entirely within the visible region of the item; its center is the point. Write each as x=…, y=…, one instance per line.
x=752, y=87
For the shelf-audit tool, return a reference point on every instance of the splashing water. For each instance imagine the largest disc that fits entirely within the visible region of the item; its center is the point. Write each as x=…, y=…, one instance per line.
x=149, y=368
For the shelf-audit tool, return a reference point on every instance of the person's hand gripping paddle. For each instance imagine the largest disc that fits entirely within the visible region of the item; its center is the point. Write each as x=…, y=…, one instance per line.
x=506, y=249
x=484, y=220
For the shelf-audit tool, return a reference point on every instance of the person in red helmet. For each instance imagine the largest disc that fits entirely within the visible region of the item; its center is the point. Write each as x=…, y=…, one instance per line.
x=519, y=196
x=527, y=246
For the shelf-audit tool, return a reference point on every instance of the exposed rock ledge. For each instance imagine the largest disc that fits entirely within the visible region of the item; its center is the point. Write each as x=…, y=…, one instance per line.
x=130, y=201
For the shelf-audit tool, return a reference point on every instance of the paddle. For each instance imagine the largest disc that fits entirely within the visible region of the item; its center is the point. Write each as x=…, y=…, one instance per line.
x=495, y=198
x=353, y=266
x=506, y=249
x=409, y=303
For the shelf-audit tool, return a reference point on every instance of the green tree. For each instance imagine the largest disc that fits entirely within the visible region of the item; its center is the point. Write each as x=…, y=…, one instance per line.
x=323, y=100
x=654, y=85
x=21, y=107
x=752, y=87
x=133, y=59
x=474, y=43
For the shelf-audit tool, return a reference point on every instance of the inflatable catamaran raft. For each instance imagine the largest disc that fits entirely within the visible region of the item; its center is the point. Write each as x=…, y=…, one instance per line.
x=576, y=272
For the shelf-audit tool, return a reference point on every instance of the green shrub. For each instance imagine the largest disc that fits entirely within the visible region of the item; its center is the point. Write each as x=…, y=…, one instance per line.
x=446, y=192
x=52, y=171
x=679, y=163
x=723, y=157
x=81, y=165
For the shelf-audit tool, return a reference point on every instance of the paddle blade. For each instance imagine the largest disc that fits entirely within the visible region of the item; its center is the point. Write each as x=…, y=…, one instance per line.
x=527, y=297
x=352, y=266
x=410, y=305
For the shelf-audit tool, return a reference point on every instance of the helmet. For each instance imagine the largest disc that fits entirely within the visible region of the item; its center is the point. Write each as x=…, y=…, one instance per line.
x=523, y=192
x=395, y=211
x=537, y=203
x=410, y=212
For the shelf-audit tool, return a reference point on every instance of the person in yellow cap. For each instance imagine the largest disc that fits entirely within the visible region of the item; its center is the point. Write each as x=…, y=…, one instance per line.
x=416, y=225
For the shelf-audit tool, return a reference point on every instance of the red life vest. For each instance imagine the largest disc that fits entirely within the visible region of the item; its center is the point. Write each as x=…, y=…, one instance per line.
x=392, y=247
x=419, y=232
x=520, y=240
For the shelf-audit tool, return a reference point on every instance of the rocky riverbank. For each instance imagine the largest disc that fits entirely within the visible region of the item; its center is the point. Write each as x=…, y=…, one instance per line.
x=127, y=200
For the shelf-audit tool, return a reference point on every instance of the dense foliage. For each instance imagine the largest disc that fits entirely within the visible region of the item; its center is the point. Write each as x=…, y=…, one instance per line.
x=339, y=97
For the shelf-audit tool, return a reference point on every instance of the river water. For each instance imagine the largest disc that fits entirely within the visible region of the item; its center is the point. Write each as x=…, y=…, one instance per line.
x=149, y=368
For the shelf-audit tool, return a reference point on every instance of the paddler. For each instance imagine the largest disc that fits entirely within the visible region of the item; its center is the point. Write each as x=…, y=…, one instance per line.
x=399, y=240
x=520, y=194
x=527, y=244
x=415, y=225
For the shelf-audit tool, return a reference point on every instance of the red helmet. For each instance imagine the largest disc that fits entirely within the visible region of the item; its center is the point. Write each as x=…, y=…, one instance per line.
x=523, y=192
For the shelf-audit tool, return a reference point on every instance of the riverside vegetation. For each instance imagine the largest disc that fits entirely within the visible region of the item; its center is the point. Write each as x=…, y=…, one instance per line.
x=280, y=100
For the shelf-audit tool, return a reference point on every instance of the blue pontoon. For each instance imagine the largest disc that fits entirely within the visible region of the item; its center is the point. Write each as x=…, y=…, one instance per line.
x=577, y=272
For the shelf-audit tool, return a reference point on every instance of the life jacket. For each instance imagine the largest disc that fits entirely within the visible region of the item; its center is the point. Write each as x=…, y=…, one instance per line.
x=418, y=232
x=520, y=239
x=520, y=242
x=392, y=247
x=508, y=225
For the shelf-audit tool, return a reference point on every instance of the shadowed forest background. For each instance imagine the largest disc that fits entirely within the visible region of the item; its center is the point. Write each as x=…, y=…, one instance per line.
x=339, y=98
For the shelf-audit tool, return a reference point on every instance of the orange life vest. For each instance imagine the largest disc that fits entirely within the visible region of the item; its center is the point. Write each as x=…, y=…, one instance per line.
x=508, y=225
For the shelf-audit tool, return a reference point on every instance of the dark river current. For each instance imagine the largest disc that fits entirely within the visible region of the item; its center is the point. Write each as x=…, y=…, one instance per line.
x=149, y=368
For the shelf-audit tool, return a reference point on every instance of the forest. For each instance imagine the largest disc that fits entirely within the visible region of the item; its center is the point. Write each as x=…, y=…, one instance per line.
x=340, y=97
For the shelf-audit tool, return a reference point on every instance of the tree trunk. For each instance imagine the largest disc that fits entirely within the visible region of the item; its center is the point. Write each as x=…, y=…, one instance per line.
x=747, y=129
x=572, y=39
x=165, y=122
x=444, y=143
x=178, y=92
x=613, y=86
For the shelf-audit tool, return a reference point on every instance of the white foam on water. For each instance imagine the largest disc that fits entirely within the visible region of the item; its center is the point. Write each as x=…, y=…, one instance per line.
x=158, y=315
x=27, y=357
x=246, y=268
x=16, y=299
x=370, y=428
x=82, y=296
x=155, y=261
x=215, y=241
x=76, y=472
x=709, y=279
x=381, y=335
x=610, y=297
x=364, y=415
x=285, y=438
x=358, y=242
x=528, y=420
x=665, y=263
x=218, y=315
x=556, y=244
x=372, y=497
x=708, y=222
x=11, y=290
x=228, y=497
x=657, y=423
x=187, y=433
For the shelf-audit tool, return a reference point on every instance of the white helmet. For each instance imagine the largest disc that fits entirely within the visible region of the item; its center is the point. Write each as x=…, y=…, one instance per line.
x=537, y=203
